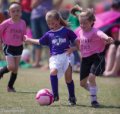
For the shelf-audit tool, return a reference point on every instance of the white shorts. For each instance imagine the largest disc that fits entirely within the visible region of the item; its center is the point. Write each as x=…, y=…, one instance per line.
x=61, y=63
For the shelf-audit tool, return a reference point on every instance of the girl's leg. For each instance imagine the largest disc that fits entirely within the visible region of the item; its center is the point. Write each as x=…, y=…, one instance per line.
x=85, y=83
x=3, y=71
x=13, y=75
x=10, y=63
x=110, y=59
x=70, y=85
x=10, y=66
x=54, y=83
x=116, y=67
x=93, y=90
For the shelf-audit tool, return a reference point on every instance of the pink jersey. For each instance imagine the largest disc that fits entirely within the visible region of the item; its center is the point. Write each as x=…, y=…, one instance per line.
x=91, y=42
x=12, y=33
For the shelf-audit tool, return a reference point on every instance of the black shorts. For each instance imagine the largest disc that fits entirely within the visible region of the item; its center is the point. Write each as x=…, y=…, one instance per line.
x=117, y=43
x=94, y=64
x=12, y=50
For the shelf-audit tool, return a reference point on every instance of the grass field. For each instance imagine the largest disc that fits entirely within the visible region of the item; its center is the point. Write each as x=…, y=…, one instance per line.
x=31, y=80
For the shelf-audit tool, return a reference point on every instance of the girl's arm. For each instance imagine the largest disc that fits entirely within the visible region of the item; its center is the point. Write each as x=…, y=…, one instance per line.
x=30, y=40
x=57, y=4
x=77, y=42
x=74, y=48
x=107, y=39
x=35, y=3
x=71, y=49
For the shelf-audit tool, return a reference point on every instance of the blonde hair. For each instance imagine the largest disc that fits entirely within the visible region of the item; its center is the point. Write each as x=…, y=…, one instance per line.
x=79, y=12
x=55, y=15
x=17, y=3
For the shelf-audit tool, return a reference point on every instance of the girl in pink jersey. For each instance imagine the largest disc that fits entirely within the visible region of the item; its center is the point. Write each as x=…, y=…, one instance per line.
x=91, y=43
x=12, y=31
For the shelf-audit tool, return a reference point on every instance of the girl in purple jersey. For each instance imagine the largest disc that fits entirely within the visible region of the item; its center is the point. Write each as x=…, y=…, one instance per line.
x=91, y=44
x=58, y=39
x=12, y=33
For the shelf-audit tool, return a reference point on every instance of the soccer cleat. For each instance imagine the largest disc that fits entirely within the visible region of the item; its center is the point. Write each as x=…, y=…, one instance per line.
x=95, y=104
x=11, y=89
x=56, y=98
x=72, y=101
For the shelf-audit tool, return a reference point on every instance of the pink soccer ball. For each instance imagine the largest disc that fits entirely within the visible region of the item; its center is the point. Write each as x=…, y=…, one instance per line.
x=44, y=97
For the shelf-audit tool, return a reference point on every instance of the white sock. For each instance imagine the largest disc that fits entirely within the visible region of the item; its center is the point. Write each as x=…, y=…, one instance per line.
x=93, y=93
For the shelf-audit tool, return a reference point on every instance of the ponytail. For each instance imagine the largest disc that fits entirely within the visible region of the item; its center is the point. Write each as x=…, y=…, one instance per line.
x=76, y=10
x=62, y=21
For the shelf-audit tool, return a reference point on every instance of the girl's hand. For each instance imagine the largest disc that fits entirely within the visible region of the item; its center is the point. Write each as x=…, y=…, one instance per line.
x=109, y=40
x=70, y=50
x=31, y=40
x=26, y=39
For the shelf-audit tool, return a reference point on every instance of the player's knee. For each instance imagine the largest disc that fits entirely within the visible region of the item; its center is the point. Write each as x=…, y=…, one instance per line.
x=53, y=71
x=68, y=79
x=82, y=84
x=92, y=79
x=12, y=68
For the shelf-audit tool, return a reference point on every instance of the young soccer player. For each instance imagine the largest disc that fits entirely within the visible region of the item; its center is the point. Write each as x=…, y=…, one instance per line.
x=91, y=42
x=12, y=33
x=58, y=39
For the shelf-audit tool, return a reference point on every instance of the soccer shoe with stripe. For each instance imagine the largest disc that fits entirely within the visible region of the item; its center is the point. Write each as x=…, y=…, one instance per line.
x=56, y=98
x=72, y=101
x=11, y=89
x=95, y=104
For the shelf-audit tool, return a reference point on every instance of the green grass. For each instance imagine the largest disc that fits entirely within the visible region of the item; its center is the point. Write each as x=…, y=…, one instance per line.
x=31, y=80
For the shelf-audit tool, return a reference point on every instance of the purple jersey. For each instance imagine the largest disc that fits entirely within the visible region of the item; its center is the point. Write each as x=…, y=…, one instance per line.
x=58, y=41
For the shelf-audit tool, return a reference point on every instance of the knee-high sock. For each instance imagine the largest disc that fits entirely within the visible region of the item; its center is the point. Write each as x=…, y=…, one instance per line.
x=71, y=89
x=54, y=84
x=4, y=70
x=93, y=93
x=12, y=79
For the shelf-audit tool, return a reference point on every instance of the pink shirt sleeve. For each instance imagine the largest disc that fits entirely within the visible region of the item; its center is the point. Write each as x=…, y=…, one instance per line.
x=102, y=35
x=3, y=26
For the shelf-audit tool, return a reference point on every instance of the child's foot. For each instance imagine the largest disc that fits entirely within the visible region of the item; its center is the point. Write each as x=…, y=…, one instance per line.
x=11, y=89
x=72, y=101
x=56, y=98
x=95, y=104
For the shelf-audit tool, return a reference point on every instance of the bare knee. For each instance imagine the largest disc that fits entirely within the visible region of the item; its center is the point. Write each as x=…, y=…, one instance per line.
x=53, y=71
x=92, y=80
x=12, y=68
x=68, y=75
x=82, y=84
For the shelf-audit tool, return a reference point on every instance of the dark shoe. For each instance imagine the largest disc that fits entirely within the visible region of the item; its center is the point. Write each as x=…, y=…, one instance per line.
x=95, y=104
x=72, y=101
x=11, y=89
x=56, y=98
x=1, y=76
